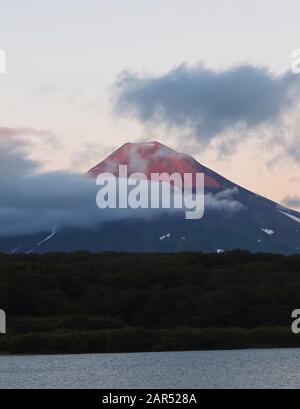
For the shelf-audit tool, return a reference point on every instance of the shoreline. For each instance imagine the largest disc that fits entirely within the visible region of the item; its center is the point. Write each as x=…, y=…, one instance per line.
x=265, y=348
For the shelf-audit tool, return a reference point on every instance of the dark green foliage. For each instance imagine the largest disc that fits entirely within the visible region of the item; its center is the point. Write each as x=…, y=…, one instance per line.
x=117, y=302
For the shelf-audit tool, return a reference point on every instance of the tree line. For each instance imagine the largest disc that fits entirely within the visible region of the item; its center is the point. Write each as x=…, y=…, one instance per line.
x=118, y=302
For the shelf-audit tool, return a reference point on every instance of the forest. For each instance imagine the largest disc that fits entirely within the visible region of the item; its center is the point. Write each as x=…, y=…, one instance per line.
x=123, y=302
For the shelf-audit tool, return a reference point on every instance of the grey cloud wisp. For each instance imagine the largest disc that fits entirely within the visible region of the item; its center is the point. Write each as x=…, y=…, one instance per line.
x=292, y=201
x=205, y=101
x=14, y=143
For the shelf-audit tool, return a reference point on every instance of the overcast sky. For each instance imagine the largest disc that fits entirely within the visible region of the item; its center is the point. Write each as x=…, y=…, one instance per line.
x=71, y=65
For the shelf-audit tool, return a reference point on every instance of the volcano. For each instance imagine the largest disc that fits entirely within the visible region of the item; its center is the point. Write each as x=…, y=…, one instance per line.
x=234, y=218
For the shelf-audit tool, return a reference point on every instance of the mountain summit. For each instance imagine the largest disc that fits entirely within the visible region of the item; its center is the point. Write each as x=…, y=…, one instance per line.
x=152, y=157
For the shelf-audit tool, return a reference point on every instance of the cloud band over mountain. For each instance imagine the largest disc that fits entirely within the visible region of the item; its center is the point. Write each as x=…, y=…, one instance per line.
x=34, y=202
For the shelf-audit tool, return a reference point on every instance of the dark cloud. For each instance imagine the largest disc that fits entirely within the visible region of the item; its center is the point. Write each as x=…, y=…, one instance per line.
x=292, y=201
x=205, y=101
x=36, y=203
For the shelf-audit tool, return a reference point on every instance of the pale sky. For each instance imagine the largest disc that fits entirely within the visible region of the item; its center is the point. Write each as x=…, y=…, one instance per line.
x=64, y=56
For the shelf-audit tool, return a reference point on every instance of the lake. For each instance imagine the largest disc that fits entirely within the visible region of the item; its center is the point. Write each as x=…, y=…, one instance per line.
x=273, y=368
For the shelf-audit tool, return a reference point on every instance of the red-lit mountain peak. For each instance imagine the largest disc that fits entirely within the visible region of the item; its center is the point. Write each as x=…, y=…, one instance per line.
x=152, y=157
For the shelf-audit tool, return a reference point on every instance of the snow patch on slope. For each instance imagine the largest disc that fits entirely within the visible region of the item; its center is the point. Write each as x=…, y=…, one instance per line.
x=268, y=231
x=167, y=236
x=43, y=241
x=48, y=237
x=297, y=219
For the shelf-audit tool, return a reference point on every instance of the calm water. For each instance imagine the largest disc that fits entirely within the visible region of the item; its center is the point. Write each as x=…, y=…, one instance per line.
x=217, y=369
